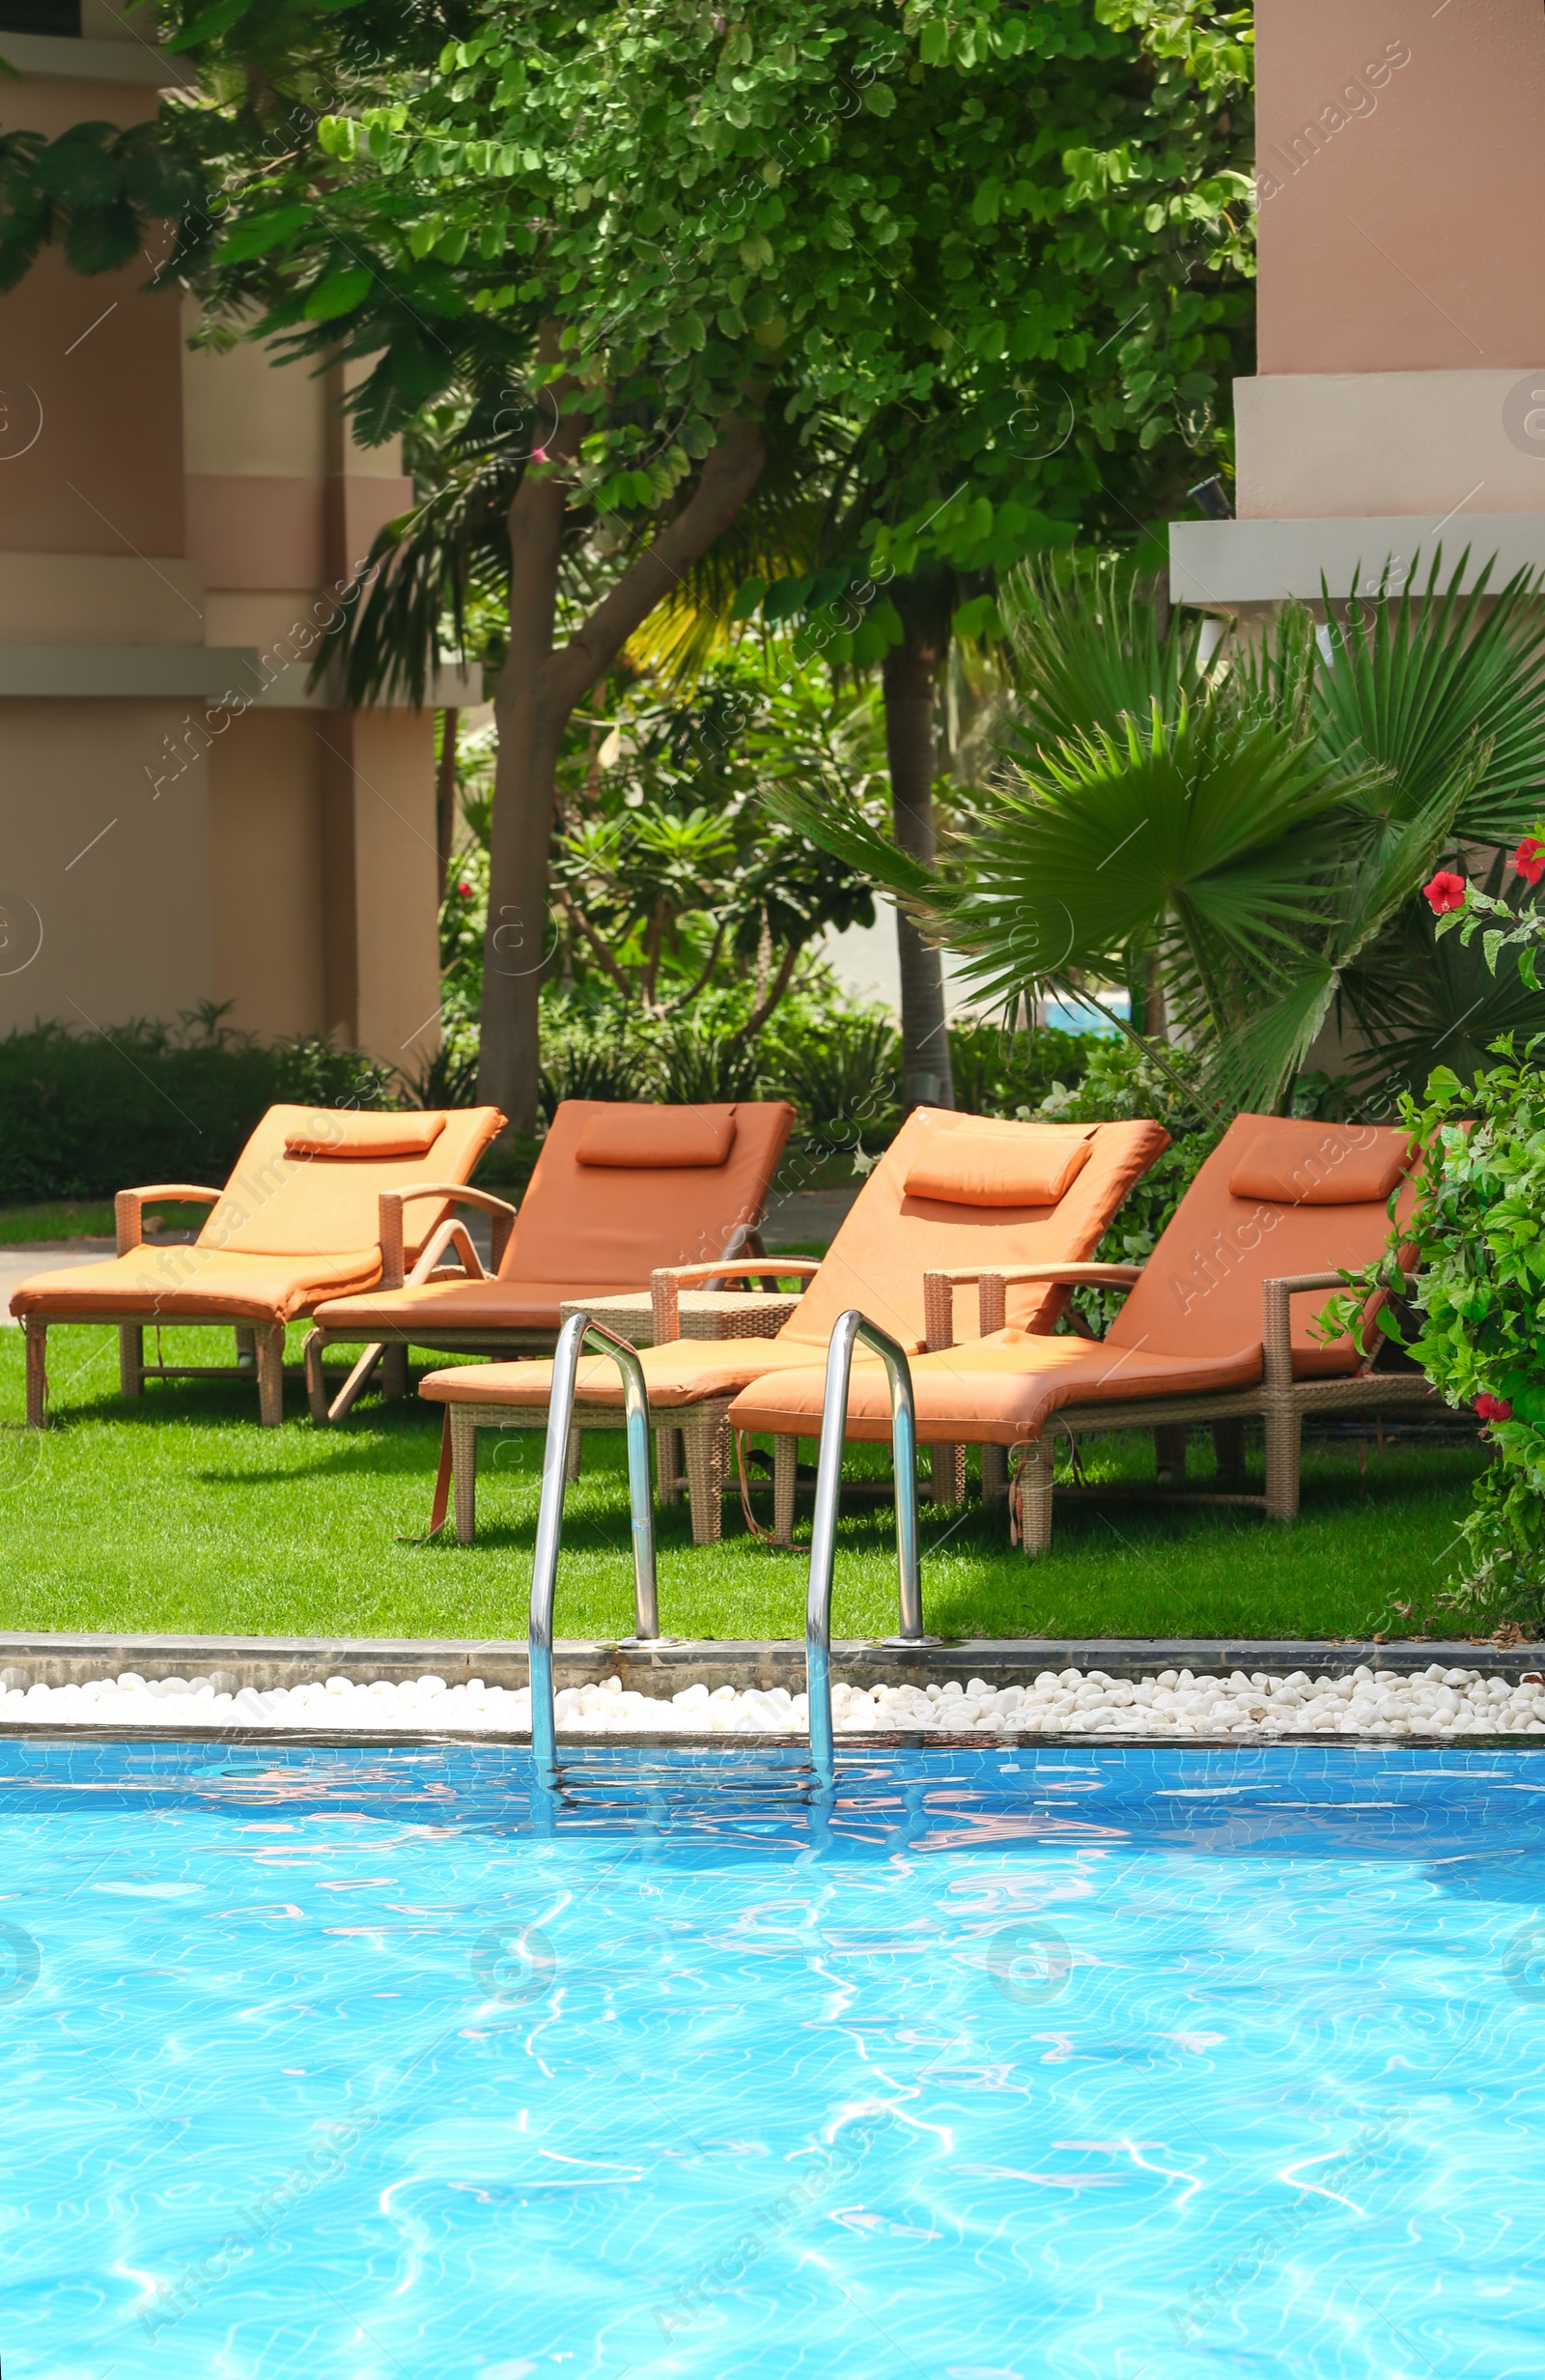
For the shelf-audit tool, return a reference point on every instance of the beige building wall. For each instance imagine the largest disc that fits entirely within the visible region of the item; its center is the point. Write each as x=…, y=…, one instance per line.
x=1400, y=405
x=183, y=815
x=114, y=875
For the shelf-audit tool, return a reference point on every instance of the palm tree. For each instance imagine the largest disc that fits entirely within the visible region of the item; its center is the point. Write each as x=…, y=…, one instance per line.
x=1252, y=833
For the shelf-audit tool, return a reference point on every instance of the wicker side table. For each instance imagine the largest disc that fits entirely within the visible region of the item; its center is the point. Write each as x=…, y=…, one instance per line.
x=704, y=1314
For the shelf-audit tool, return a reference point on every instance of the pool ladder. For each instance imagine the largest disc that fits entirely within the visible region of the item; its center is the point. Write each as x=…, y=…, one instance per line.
x=851, y=1328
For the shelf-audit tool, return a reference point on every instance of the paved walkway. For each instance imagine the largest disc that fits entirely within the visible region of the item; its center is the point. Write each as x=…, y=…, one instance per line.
x=42, y=1256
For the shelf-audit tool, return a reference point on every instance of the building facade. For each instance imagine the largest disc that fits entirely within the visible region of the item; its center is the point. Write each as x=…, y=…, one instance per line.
x=1400, y=398
x=181, y=819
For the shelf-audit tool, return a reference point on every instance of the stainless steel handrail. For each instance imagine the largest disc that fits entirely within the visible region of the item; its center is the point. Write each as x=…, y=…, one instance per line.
x=851, y=1326
x=549, y=1517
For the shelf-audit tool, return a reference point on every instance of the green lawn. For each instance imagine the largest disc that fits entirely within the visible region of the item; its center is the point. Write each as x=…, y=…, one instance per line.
x=86, y=1219
x=178, y=1513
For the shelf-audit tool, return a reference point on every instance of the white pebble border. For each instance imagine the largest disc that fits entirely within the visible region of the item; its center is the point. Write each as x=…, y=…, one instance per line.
x=1435, y=1702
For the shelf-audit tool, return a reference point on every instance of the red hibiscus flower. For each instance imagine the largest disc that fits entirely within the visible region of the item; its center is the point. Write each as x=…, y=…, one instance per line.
x=1530, y=858
x=464, y=889
x=1494, y=1409
x=1445, y=893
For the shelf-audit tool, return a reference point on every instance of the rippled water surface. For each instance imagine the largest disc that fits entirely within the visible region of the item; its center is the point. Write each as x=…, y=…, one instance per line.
x=345, y=2063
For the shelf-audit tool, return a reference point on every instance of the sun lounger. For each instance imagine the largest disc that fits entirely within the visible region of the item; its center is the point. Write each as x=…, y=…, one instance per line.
x=308, y=1212
x=619, y=1189
x=951, y=1190
x=1217, y=1327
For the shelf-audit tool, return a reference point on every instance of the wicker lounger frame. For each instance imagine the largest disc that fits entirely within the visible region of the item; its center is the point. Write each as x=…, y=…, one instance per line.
x=1278, y=1399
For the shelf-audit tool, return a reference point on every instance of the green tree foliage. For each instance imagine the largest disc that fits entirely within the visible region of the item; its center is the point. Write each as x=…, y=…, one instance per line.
x=996, y=257
x=695, y=244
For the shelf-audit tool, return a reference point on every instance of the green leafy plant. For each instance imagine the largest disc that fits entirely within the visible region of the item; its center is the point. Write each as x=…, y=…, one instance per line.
x=1476, y=1243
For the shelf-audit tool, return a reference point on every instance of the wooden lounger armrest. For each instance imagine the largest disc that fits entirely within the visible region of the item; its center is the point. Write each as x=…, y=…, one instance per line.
x=991, y=1282
x=128, y=1207
x=1276, y=1328
x=393, y=1201
x=667, y=1281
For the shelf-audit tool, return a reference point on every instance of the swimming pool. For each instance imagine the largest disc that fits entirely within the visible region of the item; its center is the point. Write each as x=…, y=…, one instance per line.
x=1083, y=2062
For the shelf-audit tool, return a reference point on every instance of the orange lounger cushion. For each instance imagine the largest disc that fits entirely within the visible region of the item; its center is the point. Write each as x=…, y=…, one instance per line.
x=194, y=1285
x=1333, y=1165
x=684, y=1372
x=997, y=1391
x=1024, y=1165
x=462, y=1305
x=343, y=1132
x=628, y=1134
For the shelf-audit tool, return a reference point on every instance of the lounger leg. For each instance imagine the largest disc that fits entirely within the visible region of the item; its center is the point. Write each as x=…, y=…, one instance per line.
x=270, y=1373
x=357, y=1382
x=1228, y=1448
x=946, y=1474
x=1283, y=1435
x=394, y=1371
x=785, y=1474
x=995, y=1474
x=668, y=1466
x=705, y=1478
x=35, y=1332
x=311, y=1355
x=1169, y=1451
x=464, y=1471
x=246, y=1353
x=574, y=1455
x=131, y=1359
x=1034, y=1483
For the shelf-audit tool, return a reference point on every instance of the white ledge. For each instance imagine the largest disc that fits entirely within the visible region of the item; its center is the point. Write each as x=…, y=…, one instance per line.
x=1220, y=563
x=95, y=61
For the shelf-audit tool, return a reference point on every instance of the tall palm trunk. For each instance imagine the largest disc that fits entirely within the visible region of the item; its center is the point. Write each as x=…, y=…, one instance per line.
x=538, y=689
x=908, y=678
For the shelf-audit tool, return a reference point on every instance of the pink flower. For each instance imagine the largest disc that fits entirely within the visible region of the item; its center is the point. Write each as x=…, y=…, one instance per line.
x=1445, y=893
x=1530, y=858
x=1494, y=1409
x=539, y=454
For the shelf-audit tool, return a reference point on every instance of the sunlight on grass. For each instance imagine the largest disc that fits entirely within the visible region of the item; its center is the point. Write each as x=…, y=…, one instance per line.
x=178, y=1513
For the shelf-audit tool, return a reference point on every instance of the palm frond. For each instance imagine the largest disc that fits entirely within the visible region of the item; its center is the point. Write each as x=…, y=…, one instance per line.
x=1088, y=652
x=1418, y=684
x=421, y=572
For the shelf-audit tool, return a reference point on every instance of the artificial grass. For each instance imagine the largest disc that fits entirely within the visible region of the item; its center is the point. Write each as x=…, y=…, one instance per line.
x=178, y=1512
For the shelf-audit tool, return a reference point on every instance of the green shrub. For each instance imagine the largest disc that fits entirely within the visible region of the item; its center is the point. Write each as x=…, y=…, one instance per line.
x=998, y=1073
x=81, y=1117
x=841, y=1068
x=1479, y=1303
x=593, y=1049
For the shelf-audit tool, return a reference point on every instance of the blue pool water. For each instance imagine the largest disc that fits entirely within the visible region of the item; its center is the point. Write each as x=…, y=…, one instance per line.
x=1124, y=2064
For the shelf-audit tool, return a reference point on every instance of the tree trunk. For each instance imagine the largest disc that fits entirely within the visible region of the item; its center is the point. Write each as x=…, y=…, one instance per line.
x=908, y=680
x=537, y=692
x=445, y=796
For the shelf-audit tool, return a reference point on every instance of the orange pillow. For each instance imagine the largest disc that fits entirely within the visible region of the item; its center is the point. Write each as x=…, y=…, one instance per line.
x=633, y=1136
x=1030, y=1167
x=1322, y=1164
x=350, y=1132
